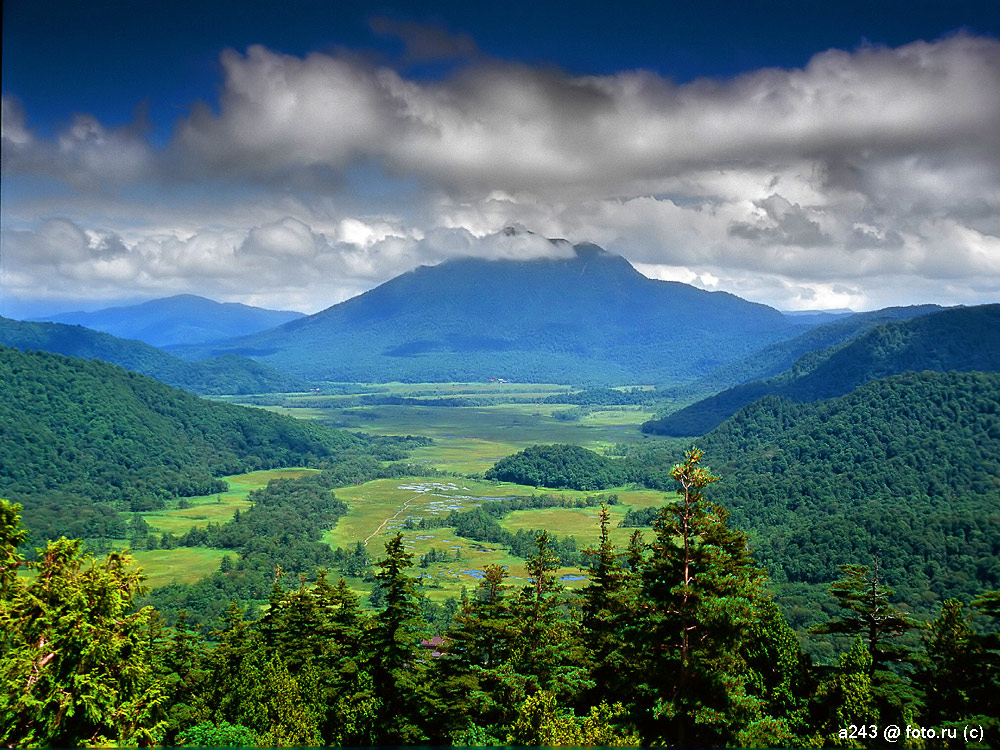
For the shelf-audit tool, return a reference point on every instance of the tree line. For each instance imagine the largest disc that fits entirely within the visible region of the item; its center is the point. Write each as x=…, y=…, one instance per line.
x=673, y=641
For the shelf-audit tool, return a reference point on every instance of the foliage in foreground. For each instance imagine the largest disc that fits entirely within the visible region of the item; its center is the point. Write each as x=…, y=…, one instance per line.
x=681, y=633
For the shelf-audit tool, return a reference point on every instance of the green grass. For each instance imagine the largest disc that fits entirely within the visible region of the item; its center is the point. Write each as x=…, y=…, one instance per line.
x=581, y=523
x=380, y=509
x=181, y=565
x=216, y=508
x=467, y=441
x=188, y=564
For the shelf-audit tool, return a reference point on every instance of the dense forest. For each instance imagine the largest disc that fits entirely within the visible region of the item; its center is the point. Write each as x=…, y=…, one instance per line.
x=962, y=339
x=812, y=483
x=776, y=358
x=85, y=441
x=673, y=641
x=559, y=466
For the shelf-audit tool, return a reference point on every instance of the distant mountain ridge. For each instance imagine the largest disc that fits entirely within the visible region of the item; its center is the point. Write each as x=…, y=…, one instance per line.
x=218, y=375
x=181, y=320
x=774, y=359
x=960, y=339
x=588, y=318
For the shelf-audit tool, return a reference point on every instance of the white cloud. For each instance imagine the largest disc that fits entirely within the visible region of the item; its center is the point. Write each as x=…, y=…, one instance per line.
x=865, y=177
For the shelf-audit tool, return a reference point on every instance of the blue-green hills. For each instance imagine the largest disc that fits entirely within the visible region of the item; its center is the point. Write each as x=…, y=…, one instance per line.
x=961, y=339
x=178, y=320
x=589, y=318
x=216, y=375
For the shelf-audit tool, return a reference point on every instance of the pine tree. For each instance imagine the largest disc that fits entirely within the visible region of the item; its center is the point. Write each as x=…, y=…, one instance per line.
x=699, y=588
x=475, y=685
x=863, y=595
x=868, y=612
x=552, y=655
x=607, y=608
x=396, y=672
x=950, y=671
x=77, y=662
x=846, y=700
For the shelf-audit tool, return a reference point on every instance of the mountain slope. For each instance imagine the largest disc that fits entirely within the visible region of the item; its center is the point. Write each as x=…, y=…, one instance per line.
x=183, y=319
x=774, y=359
x=226, y=374
x=905, y=466
x=84, y=439
x=587, y=318
x=962, y=339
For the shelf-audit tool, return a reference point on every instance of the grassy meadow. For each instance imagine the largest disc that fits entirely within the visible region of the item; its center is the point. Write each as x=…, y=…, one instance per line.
x=181, y=565
x=468, y=440
x=215, y=508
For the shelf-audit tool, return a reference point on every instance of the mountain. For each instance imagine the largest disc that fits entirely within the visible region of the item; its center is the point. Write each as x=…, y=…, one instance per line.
x=226, y=374
x=963, y=339
x=816, y=317
x=83, y=440
x=588, y=318
x=180, y=320
x=776, y=358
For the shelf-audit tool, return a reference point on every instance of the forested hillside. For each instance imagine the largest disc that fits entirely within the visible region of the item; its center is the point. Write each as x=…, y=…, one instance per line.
x=774, y=359
x=674, y=641
x=218, y=375
x=906, y=467
x=85, y=439
x=964, y=339
x=559, y=466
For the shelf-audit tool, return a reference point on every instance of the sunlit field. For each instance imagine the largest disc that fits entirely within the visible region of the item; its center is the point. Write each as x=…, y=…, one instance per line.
x=180, y=565
x=468, y=440
x=215, y=508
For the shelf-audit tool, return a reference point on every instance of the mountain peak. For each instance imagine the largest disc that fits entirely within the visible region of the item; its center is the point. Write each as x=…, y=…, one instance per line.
x=532, y=309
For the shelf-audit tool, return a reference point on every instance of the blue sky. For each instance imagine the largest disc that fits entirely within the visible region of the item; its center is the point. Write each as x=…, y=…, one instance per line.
x=805, y=155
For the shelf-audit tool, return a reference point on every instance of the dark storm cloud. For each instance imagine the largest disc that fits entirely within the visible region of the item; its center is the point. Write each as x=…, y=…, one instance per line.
x=782, y=224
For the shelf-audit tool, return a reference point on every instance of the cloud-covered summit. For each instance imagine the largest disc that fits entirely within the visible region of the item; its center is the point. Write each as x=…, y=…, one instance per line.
x=865, y=178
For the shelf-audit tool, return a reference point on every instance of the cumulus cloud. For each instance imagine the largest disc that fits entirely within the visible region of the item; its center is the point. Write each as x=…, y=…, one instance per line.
x=13, y=126
x=801, y=188
x=506, y=126
x=285, y=263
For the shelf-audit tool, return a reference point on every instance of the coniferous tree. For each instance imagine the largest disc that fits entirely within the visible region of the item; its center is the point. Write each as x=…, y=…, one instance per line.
x=77, y=664
x=552, y=655
x=868, y=612
x=699, y=587
x=950, y=671
x=476, y=686
x=607, y=608
x=397, y=674
x=183, y=664
x=847, y=700
x=987, y=702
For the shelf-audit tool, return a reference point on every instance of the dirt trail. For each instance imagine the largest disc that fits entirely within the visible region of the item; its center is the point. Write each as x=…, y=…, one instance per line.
x=403, y=507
